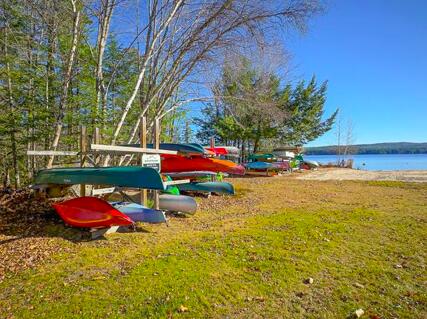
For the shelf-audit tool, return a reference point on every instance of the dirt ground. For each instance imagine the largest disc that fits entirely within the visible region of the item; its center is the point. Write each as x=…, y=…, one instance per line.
x=325, y=174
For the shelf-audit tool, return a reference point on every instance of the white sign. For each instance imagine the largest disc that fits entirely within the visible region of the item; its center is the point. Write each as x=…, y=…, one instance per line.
x=151, y=160
x=102, y=191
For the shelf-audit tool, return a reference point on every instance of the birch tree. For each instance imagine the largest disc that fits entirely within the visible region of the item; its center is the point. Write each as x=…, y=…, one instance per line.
x=67, y=77
x=182, y=36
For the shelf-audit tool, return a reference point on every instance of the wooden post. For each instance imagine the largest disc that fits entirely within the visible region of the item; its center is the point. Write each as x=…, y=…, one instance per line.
x=83, y=150
x=156, y=146
x=143, y=144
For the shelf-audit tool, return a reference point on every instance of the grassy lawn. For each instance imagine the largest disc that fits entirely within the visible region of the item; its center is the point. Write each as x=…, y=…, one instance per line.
x=363, y=243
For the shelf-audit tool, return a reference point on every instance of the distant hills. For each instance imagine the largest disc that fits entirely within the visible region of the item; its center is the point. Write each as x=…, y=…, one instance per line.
x=378, y=148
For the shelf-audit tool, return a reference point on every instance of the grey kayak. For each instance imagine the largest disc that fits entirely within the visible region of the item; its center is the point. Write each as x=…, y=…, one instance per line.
x=177, y=203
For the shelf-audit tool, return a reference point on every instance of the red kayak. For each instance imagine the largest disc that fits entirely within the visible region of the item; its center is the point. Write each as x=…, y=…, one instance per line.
x=91, y=212
x=176, y=163
x=217, y=150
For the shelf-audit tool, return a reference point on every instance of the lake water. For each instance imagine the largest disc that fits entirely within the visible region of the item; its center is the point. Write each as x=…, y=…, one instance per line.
x=376, y=162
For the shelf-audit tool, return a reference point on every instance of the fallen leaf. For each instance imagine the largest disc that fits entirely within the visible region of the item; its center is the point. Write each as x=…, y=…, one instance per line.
x=182, y=308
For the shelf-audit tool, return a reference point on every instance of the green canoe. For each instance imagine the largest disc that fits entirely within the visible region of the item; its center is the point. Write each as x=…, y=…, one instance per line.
x=214, y=187
x=129, y=176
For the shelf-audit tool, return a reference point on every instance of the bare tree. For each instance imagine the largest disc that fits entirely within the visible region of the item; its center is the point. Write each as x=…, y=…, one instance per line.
x=12, y=111
x=182, y=36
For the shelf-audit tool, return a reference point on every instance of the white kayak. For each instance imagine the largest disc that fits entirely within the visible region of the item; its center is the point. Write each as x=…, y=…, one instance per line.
x=177, y=203
x=311, y=163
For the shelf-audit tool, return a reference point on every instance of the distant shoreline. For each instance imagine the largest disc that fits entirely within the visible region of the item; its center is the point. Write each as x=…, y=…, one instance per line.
x=371, y=149
x=306, y=153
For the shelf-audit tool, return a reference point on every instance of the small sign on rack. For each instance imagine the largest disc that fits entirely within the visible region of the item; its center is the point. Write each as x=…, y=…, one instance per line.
x=151, y=160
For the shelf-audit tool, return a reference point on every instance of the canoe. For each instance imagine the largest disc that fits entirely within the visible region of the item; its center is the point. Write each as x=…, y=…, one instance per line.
x=312, y=164
x=176, y=163
x=284, y=154
x=90, y=212
x=129, y=176
x=181, y=148
x=177, y=203
x=192, y=174
x=209, y=187
x=259, y=165
x=262, y=157
x=196, y=145
x=140, y=213
x=281, y=165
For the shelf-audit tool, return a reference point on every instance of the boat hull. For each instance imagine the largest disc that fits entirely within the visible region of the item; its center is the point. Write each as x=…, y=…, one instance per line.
x=209, y=187
x=259, y=165
x=176, y=164
x=129, y=176
x=312, y=164
x=177, y=203
x=140, y=213
x=90, y=212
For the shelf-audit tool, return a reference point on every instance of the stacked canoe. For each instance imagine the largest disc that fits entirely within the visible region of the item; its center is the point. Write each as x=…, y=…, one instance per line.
x=201, y=166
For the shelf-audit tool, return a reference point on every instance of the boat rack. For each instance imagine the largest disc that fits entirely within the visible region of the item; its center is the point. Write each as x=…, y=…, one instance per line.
x=90, y=156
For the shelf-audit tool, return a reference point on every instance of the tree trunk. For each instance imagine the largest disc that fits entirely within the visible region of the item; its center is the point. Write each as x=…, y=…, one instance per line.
x=12, y=114
x=103, y=30
x=66, y=82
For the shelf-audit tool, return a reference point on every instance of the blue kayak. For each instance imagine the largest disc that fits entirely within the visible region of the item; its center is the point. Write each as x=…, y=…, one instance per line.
x=259, y=165
x=140, y=213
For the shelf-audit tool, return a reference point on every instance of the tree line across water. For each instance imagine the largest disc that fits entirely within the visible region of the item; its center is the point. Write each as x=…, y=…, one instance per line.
x=377, y=148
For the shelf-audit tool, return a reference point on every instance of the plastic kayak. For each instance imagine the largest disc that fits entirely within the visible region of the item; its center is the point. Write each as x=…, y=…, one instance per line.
x=171, y=189
x=230, y=149
x=217, y=150
x=177, y=203
x=210, y=187
x=281, y=165
x=191, y=174
x=90, y=212
x=176, y=163
x=258, y=165
x=140, y=213
x=311, y=163
x=262, y=157
x=129, y=176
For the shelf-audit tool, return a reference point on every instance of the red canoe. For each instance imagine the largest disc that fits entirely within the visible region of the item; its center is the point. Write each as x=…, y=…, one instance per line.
x=176, y=163
x=91, y=212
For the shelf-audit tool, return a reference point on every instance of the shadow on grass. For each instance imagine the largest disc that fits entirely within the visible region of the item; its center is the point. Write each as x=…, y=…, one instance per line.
x=48, y=224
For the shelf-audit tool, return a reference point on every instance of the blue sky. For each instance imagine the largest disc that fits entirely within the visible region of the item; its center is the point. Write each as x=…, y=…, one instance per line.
x=374, y=55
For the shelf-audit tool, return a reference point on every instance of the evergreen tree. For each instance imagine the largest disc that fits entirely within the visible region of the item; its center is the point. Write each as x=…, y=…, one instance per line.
x=305, y=106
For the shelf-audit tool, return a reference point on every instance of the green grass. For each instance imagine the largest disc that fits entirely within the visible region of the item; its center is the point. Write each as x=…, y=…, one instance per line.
x=248, y=257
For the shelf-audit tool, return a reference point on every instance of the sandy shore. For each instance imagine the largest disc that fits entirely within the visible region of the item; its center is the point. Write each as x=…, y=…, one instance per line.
x=352, y=174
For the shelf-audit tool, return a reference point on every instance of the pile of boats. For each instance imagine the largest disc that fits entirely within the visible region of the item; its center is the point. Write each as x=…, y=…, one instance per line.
x=190, y=170
x=182, y=171
x=278, y=161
